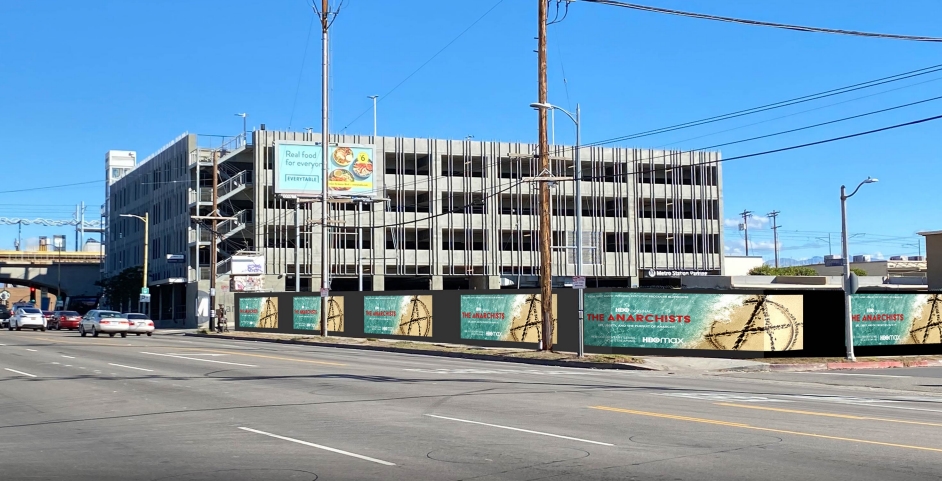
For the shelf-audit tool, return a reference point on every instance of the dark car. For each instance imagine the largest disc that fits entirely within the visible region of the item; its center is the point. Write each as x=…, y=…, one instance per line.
x=47, y=315
x=5, y=315
x=64, y=320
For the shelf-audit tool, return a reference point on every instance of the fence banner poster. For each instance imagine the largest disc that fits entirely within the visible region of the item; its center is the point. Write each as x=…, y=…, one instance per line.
x=398, y=315
x=504, y=317
x=306, y=313
x=893, y=319
x=742, y=322
x=258, y=312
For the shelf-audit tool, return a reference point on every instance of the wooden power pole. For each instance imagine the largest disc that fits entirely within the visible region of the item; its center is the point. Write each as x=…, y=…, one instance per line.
x=213, y=250
x=774, y=216
x=546, y=237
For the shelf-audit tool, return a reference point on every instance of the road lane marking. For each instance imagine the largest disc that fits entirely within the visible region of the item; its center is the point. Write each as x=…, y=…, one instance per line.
x=279, y=358
x=28, y=349
x=198, y=359
x=830, y=415
x=130, y=367
x=706, y=396
x=318, y=446
x=757, y=428
x=20, y=372
x=848, y=374
x=67, y=357
x=520, y=430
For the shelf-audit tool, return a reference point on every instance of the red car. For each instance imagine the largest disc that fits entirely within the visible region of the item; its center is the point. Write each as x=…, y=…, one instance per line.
x=64, y=320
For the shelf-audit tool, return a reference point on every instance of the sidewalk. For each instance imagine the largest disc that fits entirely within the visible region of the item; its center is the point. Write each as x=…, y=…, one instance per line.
x=525, y=356
x=568, y=359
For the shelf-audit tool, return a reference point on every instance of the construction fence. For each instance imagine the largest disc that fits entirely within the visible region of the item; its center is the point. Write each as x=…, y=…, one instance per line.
x=739, y=324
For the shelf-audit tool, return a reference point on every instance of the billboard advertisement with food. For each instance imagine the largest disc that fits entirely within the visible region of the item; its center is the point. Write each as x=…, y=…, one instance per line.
x=299, y=169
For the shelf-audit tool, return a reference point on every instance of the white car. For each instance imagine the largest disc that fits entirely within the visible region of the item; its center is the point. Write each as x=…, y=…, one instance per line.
x=140, y=324
x=28, y=317
x=99, y=321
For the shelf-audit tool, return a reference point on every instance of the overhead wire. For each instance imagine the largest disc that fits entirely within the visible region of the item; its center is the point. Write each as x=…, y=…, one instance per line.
x=759, y=23
x=772, y=106
x=420, y=67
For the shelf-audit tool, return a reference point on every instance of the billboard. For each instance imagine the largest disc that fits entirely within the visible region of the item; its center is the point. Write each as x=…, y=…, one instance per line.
x=893, y=319
x=247, y=265
x=258, y=312
x=306, y=313
x=398, y=315
x=504, y=317
x=746, y=322
x=299, y=169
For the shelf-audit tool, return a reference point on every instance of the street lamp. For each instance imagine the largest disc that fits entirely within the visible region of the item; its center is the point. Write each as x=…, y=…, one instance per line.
x=244, y=129
x=374, y=97
x=848, y=318
x=145, y=220
x=577, y=178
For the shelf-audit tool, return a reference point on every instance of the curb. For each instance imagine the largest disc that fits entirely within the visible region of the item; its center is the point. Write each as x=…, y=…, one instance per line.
x=849, y=366
x=479, y=357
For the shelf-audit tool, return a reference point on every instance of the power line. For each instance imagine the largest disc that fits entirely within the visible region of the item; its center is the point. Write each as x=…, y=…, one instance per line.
x=771, y=106
x=665, y=168
x=759, y=23
x=297, y=89
x=383, y=97
x=799, y=112
x=50, y=186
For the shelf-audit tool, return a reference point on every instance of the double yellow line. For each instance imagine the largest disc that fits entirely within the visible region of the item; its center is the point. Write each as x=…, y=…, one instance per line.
x=772, y=430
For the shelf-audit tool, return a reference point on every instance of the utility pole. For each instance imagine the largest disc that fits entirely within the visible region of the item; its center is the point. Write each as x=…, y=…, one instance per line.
x=546, y=238
x=745, y=225
x=774, y=216
x=213, y=251
x=325, y=229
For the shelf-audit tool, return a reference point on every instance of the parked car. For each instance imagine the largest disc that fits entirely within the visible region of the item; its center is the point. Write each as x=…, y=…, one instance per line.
x=97, y=321
x=28, y=317
x=140, y=324
x=64, y=320
x=5, y=315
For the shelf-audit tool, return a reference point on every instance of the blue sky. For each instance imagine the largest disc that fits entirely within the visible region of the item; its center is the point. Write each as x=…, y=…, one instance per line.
x=80, y=78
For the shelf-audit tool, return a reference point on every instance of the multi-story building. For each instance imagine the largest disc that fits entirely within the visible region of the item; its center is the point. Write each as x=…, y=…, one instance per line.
x=445, y=214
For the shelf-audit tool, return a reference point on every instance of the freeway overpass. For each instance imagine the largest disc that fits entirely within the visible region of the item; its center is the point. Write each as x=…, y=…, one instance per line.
x=75, y=272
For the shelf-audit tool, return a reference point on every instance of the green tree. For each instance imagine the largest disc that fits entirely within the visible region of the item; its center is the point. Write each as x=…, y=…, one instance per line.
x=858, y=271
x=124, y=287
x=783, y=271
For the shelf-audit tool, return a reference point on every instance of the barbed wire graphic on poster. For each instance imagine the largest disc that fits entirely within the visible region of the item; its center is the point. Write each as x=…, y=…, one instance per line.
x=770, y=326
x=258, y=312
x=694, y=321
x=895, y=319
x=504, y=317
x=398, y=315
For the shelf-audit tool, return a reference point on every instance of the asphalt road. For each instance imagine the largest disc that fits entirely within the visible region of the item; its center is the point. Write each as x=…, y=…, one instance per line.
x=171, y=407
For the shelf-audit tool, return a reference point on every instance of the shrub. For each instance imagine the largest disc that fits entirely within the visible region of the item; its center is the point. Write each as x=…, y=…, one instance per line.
x=782, y=271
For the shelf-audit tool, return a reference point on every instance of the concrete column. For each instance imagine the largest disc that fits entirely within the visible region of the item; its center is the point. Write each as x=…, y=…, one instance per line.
x=436, y=284
x=485, y=282
x=379, y=282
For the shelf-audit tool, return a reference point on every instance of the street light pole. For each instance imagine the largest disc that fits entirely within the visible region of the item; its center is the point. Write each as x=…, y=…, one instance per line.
x=146, y=220
x=374, y=97
x=577, y=179
x=848, y=316
x=244, y=127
